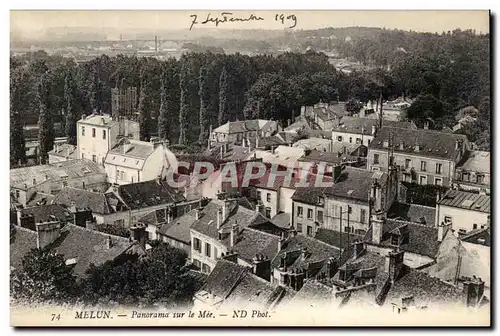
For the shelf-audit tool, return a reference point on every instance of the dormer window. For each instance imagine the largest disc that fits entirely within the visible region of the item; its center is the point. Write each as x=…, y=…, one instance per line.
x=395, y=239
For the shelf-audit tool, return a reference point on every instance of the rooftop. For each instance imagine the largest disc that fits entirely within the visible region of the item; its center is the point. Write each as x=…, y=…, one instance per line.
x=476, y=161
x=314, y=143
x=336, y=238
x=178, y=229
x=99, y=120
x=47, y=213
x=310, y=195
x=413, y=213
x=430, y=143
x=357, y=125
x=27, y=177
x=22, y=241
x=83, y=199
x=282, y=220
x=148, y=193
x=354, y=183
x=466, y=200
x=242, y=126
x=65, y=150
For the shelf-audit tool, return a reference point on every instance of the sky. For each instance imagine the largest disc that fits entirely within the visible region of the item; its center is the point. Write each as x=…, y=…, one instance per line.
x=423, y=21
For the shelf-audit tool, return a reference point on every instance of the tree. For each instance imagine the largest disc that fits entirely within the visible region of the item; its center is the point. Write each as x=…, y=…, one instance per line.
x=113, y=230
x=44, y=276
x=184, y=107
x=204, y=94
x=17, y=143
x=159, y=278
x=46, y=127
x=223, y=97
x=71, y=117
x=163, y=120
x=144, y=116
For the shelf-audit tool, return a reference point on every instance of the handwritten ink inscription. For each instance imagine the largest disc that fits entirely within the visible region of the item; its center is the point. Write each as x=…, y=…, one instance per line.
x=225, y=17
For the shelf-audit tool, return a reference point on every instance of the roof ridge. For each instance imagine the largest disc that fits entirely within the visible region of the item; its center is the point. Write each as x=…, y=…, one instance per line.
x=17, y=227
x=321, y=242
x=261, y=232
x=99, y=232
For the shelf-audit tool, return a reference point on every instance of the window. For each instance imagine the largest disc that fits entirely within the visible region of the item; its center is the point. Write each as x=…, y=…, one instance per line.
x=83, y=156
x=350, y=139
x=375, y=159
x=83, y=130
x=369, y=142
x=207, y=250
x=465, y=176
x=300, y=211
x=65, y=184
x=348, y=229
x=462, y=231
x=321, y=200
x=395, y=240
x=407, y=163
x=120, y=222
x=268, y=212
x=309, y=214
x=205, y=268
x=362, y=216
x=309, y=230
x=215, y=252
x=423, y=179
x=474, y=226
x=299, y=227
x=83, y=185
x=197, y=245
x=259, y=195
x=438, y=181
x=196, y=263
x=94, y=158
x=104, y=134
x=339, y=138
x=439, y=168
x=358, y=141
x=320, y=216
x=93, y=132
x=268, y=197
x=480, y=179
x=423, y=165
x=447, y=220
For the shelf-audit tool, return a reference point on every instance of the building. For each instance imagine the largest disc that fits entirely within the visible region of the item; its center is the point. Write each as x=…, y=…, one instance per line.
x=124, y=102
x=79, y=246
x=63, y=152
x=362, y=131
x=131, y=161
x=225, y=227
x=300, y=258
x=236, y=131
x=84, y=174
x=28, y=217
x=318, y=144
x=345, y=154
x=473, y=172
x=324, y=116
x=232, y=287
x=355, y=194
x=98, y=134
x=308, y=210
x=423, y=156
x=464, y=211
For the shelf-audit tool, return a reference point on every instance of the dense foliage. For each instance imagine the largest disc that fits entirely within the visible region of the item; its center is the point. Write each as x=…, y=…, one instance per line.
x=443, y=72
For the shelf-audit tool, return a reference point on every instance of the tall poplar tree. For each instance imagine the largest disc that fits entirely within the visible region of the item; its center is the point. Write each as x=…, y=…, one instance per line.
x=204, y=93
x=184, y=106
x=144, y=116
x=163, y=122
x=45, y=124
x=71, y=116
x=17, y=141
x=223, y=97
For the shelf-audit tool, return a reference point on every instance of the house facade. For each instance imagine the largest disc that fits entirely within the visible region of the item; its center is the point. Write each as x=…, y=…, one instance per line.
x=422, y=156
x=473, y=172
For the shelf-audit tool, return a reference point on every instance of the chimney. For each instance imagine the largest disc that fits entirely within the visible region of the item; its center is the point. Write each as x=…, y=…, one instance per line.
x=281, y=241
x=84, y=116
x=47, y=233
x=393, y=264
x=67, y=152
x=302, y=110
x=262, y=266
x=257, y=141
x=26, y=221
x=331, y=268
x=226, y=209
x=125, y=147
x=401, y=146
x=109, y=243
x=358, y=248
x=426, y=125
x=170, y=215
x=374, y=130
x=90, y=225
x=219, y=219
x=457, y=144
x=303, y=253
x=442, y=229
x=474, y=290
x=234, y=234
x=377, y=227
x=378, y=197
x=258, y=207
x=362, y=112
x=230, y=256
x=337, y=171
x=417, y=147
x=138, y=234
x=197, y=214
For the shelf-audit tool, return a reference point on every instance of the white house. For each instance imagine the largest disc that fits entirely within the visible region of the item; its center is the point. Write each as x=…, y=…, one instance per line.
x=133, y=161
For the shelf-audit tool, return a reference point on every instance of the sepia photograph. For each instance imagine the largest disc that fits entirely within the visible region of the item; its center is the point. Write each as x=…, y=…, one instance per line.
x=277, y=168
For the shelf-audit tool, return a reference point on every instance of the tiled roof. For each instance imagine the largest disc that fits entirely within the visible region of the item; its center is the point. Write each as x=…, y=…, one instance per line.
x=477, y=235
x=223, y=277
x=250, y=242
x=83, y=199
x=99, y=120
x=300, y=123
x=55, y=172
x=314, y=292
x=39, y=198
x=476, y=161
x=282, y=220
x=155, y=217
x=420, y=239
x=22, y=241
x=335, y=238
x=88, y=247
x=281, y=181
x=431, y=143
x=179, y=227
x=134, y=157
x=242, y=126
x=355, y=183
x=309, y=195
x=148, y=193
x=364, y=126
x=466, y=200
x=233, y=153
x=413, y=213
x=46, y=213
x=317, y=251
x=425, y=290
x=313, y=143
x=239, y=215
x=64, y=150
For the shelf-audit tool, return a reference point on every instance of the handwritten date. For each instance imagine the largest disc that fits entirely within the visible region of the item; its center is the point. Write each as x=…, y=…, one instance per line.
x=225, y=17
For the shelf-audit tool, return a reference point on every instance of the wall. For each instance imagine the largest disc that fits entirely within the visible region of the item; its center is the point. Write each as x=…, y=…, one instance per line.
x=272, y=204
x=448, y=166
x=285, y=200
x=304, y=221
x=412, y=260
x=202, y=257
x=88, y=145
x=56, y=158
x=461, y=218
x=177, y=244
x=155, y=163
x=365, y=139
x=332, y=214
